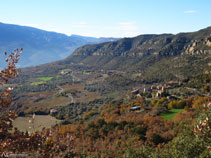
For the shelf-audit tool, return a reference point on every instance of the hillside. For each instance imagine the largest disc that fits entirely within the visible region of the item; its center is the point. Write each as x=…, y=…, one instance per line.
x=40, y=46
x=95, y=79
x=164, y=44
x=117, y=103
x=167, y=54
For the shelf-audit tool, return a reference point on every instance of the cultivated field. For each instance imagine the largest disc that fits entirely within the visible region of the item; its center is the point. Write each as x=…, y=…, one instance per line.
x=40, y=121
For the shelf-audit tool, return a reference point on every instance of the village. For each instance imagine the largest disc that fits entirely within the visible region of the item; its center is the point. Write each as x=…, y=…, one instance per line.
x=163, y=94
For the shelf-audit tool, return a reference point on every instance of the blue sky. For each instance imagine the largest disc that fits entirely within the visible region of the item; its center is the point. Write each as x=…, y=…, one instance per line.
x=108, y=18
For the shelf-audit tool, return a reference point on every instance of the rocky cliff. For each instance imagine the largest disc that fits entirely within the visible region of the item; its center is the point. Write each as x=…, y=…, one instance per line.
x=144, y=45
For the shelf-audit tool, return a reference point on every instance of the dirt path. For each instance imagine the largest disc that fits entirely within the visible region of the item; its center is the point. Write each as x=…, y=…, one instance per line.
x=62, y=91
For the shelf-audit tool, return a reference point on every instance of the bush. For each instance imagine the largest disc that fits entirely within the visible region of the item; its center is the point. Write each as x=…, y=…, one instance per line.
x=186, y=145
x=140, y=131
x=163, y=102
x=101, y=122
x=70, y=155
x=143, y=152
x=180, y=104
x=89, y=114
x=21, y=114
x=111, y=126
x=122, y=124
x=157, y=139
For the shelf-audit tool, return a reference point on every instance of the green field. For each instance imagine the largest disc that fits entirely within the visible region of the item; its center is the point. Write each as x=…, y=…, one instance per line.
x=170, y=114
x=42, y=80
x=58, y=76
x=135, y=75
x=66, y=70
x=37, y=83
x=45, y=78
x=86, y=73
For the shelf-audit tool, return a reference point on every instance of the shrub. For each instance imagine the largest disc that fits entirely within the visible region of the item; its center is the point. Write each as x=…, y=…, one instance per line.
x=89, y=114
x=157, y=139
x=180, y=104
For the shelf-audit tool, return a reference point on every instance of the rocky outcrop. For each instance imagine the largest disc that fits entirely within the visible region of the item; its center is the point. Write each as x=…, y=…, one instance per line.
x=208, y=42
x=202, y=46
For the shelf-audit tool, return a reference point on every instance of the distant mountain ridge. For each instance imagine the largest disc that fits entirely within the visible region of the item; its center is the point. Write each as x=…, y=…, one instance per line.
x=40, y=46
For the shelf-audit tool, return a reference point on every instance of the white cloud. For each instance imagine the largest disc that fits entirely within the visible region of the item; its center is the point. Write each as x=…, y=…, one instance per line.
x=190, y=11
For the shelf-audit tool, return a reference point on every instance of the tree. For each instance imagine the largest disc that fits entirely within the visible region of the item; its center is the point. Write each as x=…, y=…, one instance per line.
x=163, y=102
x=206, y=88
x=172, y=104
x=202, y=127
x=5, y=96
x=17, y=141
x=9, y=72
x=181, y=104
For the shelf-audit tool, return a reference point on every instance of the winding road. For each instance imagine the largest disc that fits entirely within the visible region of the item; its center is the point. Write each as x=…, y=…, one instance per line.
x=62, y=91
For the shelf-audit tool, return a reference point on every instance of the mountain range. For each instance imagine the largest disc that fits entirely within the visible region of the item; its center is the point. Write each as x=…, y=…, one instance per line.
x=40, y=46
x=156, y=56
x=144, y=45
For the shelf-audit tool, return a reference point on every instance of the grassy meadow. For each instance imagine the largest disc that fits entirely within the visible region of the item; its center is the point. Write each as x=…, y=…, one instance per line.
x=170, y=114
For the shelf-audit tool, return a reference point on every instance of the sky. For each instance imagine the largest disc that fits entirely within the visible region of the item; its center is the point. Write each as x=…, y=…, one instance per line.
x=108, y=18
